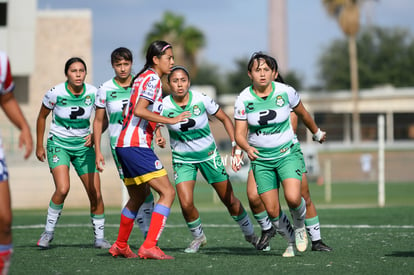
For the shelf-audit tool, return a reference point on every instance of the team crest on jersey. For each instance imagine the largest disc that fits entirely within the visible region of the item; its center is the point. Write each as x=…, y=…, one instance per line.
x=55, y=159
x=280, y=101
x=88, y=100
x=196, y=110
x=158, y=164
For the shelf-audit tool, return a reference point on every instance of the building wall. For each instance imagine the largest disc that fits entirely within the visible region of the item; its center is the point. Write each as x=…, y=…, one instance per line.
x=60, y=34
x=17, y=38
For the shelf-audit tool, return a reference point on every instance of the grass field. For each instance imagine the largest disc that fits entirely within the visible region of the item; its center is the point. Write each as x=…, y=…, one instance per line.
x=366, y=239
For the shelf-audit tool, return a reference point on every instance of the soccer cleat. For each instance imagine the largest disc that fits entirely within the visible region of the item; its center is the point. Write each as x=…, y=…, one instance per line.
x=289, y=252
x=102, y=244
x=301, y=239
x=320, y=246
x=253, y=239
x=126, y=252
x=267, y=235
x=5, y=257
x=196, y=244
x=266, y=249
x=153, y=253
x=45, y=239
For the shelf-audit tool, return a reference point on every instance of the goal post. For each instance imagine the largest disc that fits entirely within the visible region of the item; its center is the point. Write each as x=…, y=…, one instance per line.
x=381, y=161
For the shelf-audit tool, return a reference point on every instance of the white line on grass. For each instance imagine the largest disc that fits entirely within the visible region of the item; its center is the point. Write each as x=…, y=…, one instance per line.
x=387, y=226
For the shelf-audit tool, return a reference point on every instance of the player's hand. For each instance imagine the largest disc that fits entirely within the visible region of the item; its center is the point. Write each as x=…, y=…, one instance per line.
x=237, y=160
x=160, y=141
x=99, y=162
x=182, y=117
x=88, y=140
x=252, y=153
x=319, y=136
x=25, y=140
x=40, y=153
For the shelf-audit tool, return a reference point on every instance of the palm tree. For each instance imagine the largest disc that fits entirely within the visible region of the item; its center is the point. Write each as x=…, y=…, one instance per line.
x=346, y=12
x=187, y=41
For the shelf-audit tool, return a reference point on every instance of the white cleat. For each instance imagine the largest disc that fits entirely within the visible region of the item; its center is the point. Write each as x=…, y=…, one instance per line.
x=301, y=239
x=289, y=252
x=196, y=244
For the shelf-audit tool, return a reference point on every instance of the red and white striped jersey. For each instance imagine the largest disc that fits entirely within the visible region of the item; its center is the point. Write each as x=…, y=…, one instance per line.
x=6, y=79
x=136, y=131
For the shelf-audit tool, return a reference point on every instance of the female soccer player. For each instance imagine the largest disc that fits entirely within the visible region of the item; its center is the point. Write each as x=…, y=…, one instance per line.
x=311, y=219
x=12, y=110
x=263, y=130
x=193, y=148
x=70, y=141
x=111, y=99
x=142, y=168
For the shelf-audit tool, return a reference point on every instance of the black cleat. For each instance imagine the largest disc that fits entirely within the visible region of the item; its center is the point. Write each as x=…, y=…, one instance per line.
x=264, y=241
x=320, y=246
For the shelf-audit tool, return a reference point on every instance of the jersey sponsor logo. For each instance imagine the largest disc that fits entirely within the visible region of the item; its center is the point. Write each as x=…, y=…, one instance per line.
x=266, y=116
x=113, y=95
x=280, y=101
x=196, y=110
x=259, y=132
x=76, y=112
x=250, y=106
x=62, y=101
x=184, y=127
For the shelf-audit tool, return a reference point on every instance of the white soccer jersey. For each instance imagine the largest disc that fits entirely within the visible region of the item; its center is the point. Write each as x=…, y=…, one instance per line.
x=114, y=99
x=136, y=131
x=270, y=130
x=71, y=114
x=191, y=141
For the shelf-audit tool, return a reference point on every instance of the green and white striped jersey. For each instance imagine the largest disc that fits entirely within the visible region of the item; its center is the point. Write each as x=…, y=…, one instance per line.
x=191, y=141
x=270, y=130
x=114, y=99
x=71, y=114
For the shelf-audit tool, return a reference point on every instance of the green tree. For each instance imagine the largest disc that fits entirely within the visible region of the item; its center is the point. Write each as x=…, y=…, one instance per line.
x=237, y=80
x=346, y=12
x=386, y=56
x=208, y=74
x=187, y=41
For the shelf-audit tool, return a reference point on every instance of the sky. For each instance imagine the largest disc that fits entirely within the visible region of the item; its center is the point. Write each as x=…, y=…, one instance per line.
x=233, y=29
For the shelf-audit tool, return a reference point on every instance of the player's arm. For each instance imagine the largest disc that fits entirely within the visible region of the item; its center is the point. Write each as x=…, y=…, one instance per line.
x=307, y=119
x=40, y=132
x=159, y=139
x=12, y=110
x=98, y=129
x=241, y=129
x=228, y=125
x=142, y=112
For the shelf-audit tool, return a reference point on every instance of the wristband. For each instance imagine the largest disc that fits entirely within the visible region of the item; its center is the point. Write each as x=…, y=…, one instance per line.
x=318, y=135
x=233, y=144
x=237, y=152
